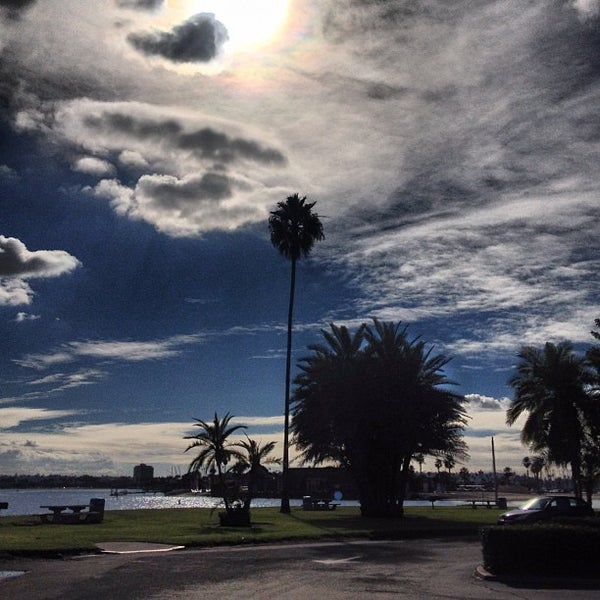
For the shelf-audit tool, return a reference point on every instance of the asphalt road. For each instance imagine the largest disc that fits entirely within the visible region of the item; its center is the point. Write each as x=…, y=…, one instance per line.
x=420, y=569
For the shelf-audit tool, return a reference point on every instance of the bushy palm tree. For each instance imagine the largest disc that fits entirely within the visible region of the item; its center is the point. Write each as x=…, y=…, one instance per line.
x=294, y=229
x=590, y=462
x=551, y=389
x=371, y=401
x=215, y=448
x=252, y=458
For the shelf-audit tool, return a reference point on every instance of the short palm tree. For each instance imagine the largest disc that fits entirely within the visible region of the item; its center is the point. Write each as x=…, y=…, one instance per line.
x=252, y=458
x=550, y=387
x=294, y=230
x=215, y=448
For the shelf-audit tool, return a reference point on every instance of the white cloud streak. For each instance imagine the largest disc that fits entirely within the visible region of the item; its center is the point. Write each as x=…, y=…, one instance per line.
x=127, y=351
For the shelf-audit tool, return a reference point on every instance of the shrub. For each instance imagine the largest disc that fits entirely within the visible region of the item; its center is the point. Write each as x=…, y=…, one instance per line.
x=558, y=549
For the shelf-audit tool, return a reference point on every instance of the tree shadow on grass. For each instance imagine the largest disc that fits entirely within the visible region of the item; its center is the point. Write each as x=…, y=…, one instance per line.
x=412, y=526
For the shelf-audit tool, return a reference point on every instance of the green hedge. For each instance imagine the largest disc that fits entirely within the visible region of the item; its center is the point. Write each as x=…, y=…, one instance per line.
x=543, y=549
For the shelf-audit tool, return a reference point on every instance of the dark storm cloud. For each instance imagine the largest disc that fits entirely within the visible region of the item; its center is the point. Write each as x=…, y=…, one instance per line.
x=139, y=128
x=204, y=142
x=209, y=143
x=14, y=8
x=140, y=4
x=199, y=39
x=170, y=194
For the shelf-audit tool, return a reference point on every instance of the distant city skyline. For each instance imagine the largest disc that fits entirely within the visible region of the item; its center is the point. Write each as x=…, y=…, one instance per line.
x=451, y=150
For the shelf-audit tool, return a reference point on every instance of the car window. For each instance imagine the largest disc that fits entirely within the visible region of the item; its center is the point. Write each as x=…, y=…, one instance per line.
x=535, y=504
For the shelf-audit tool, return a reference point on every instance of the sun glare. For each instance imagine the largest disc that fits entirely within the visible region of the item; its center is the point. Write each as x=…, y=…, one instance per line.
x=248, y=22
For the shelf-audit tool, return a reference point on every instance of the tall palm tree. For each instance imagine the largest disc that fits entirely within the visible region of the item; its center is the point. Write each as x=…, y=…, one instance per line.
x=253, y=457
x=550, y=387
x=294, y=230
x=526, y=462
x=216, y=449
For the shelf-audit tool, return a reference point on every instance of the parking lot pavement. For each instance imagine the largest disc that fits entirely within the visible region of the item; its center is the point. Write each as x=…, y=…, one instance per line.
x=441, y=568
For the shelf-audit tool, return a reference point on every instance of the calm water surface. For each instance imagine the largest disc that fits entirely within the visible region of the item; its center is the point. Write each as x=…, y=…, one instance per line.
x=28, y=502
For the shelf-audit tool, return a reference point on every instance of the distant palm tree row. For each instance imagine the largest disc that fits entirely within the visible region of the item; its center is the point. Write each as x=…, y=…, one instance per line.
x=559, y=392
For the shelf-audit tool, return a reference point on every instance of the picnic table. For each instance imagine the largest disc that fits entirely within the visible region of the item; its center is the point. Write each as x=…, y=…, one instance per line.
x=67, y=514
x=59, y=508
x=310, y=503
x=60, y=516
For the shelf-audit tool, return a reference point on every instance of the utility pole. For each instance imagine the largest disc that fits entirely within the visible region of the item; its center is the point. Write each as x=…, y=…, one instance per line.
x=494, y=470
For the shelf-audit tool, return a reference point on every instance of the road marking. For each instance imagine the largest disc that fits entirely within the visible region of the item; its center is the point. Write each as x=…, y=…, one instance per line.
x=336, y=561
x=7, y=574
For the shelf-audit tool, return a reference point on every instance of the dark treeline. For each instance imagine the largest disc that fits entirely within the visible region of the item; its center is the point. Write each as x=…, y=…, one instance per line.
x=58, y=481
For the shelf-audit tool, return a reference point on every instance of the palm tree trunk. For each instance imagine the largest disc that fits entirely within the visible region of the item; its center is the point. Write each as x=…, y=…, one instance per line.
x=223, y=488
x=285, y=491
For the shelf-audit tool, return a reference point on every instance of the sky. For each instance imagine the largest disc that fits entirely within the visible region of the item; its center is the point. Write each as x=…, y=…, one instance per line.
x=452, y=150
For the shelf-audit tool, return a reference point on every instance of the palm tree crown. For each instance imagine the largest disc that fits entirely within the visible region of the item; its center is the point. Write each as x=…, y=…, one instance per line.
x=215, y=446
x=294, y=227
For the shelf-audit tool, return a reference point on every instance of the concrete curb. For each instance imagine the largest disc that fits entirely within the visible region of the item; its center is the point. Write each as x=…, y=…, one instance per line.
x=541, y=581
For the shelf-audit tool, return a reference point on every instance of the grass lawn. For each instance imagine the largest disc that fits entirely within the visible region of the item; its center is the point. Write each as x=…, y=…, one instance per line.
x=200, y=527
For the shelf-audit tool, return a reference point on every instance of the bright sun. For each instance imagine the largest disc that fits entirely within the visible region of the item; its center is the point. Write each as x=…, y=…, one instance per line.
x=248, y=22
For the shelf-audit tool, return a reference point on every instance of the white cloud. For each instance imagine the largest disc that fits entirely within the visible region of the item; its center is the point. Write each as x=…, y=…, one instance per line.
x=14, y=416
x=101, y=448
x=17, y=263
x=478, y=402
x=14, y=292
x=128, y=351
x=93, y=166
x=133, y=159
x=22, y=316
x=587, y=8
x=117, y=447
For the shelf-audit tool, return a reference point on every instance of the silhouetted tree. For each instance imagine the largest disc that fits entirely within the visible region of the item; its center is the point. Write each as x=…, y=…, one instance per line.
x=449, y=463
x=420, y=458
x=215, y=448
x=371, y=401
x=294, y=229
x=590, y=462
x=551, y=388
x=252, y=458
x=465, y=476
x=526, y=462
x=507, y=474
x=537, y=465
